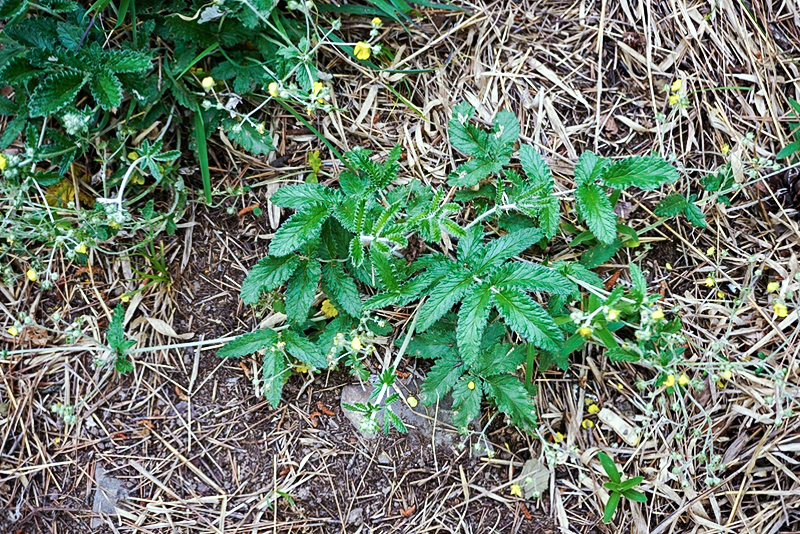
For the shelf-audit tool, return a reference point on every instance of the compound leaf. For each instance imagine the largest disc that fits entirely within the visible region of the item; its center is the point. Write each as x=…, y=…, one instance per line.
x=338, y=284
x=441, y=378
x=303, y=349
x=300, y=196
x=670, y=206
x=444, y=295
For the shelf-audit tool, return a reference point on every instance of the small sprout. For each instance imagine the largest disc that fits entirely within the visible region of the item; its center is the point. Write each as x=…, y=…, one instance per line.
x=362, y=50
x=669, y=381
x=773, y=287
x=516, y=490
x=328, y=309
x=780, y=309
x=207, y=83
x=593, y=409
x=32, y=275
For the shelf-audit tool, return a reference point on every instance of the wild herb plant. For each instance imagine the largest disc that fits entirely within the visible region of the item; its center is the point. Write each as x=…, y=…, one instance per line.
x=617, y=487
x=480, y=312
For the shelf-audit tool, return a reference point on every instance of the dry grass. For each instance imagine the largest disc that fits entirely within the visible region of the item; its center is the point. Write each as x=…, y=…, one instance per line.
x=204, y=456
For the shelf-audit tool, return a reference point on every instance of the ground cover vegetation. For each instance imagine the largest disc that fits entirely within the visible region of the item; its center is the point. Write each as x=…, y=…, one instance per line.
x=580, y=302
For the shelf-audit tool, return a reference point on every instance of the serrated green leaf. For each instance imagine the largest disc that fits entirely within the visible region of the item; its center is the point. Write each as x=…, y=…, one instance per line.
x=127, y=61
x=596, y=210
x=466, y=401
x=391, y=418
x=249, y=138
x=473, y=171
x=123, y=365
x=464, y=136
x=638, y=281
x=337, y=283
x=268, y=274
x=670, y=206
x=273, y=375
x=470, y=245
x=504, y=134
x=532, y=277
x=117, y=341
x=618, y=354
x=55, y=92
x=383, y=267
x=301, y=290
x=589, y=168
x=472, y=319
x=300, y=196
x=497, y=251
x=356, y=251
x=695, y=215
x=434, y=344
x=600, y=253
x=526, y=317
x=444, y=296
x=299, y=229
x=441, y=378
x=644, y=172
x=106, y=89
x=511, y=398
x=303, y=349
x=247, y=344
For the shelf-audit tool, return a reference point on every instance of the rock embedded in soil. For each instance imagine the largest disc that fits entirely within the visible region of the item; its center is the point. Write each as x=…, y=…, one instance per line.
x=107, y=496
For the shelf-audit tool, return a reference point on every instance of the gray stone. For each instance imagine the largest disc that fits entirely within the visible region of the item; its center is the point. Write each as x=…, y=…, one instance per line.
x=355, y=517
x=109, y=492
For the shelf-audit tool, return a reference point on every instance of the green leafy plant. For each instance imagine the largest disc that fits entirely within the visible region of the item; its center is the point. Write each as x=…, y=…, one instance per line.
x=118, y=344
x=617, y=487
x=479, y=312
x=792, y=150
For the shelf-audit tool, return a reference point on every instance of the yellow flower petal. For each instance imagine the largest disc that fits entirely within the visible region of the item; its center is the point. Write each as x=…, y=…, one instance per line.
x=355, y=344
x=377, y=21
x=125, y=297
x=587, y=423
x=780, y=309
x=412, y=401
x=471, y=385
x=328, y=309
x=658, y=314
x=516, y=490
x=726, y=375
x=585, y=331
x=32, y=275
x=558, y=437
x=674, y=99
x=272, y=88
x=208, y=83
x=81, y=249
x=676, y=85
x=612, y=315
x=317, y=88
x=13, y=331
x=683, y=380
x=593, y=409
x=670, y=381
x=3, y=162
x=362, y=50
x=773, y=287
x=710, y=282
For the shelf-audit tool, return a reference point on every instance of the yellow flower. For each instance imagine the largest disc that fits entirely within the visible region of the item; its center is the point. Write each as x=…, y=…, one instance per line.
x=301, y=368
x=710, y=282
x=711, y=251
x=593, y=409
x=3, y=162
x=612, y=315
x=471, y=385
x=356, y=344
x=585, y=331
x=32, y=275
x=362, y=50
x=725, y=149
x=273, y=89
x=328, y=309
x=412, y=401
x=674, y=99
x=669, y=266
x=720, y=294
x=558, y=437
x=587, y=423
x=125, y=297
x=376, y=22
x=658, y=314
x=317, y=88
x=132, y=155
x=670, y=381
x=676, y=85
x=780, y=309
x=773, y=287
x=13, y=331
x=683, y=380
x=726, y=375
x=207, y=83
x=81, y=249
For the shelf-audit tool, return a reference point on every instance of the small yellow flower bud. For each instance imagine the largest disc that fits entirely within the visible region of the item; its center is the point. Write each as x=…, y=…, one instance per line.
x=726, y=375
x=558, y=437
x=125, y=297
x=711, y=250
x=780, y=309
x=612, y=315
x=674, y=99
x=133, y=155
x=720, y=294
x=32, y=275
x=658, y=314
x=301, y=368
x=773, y=287
x=412, y=401
x=208, y=83
x=587, y=424
x=362, y=50
x=725, y=149
x=328, y=309
x=356, y=344
x=81, y=249
x=683, y=380
x=710, y=282
x=13, y=331
x=470, y=385
x=377, y=22
x=676, y=85
x=272, y=88
x=669, y=266
x=593, y=409
x=585, y=331
x=516, y=490
x=670, y=381
x=317, y=88
x=3, y=162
